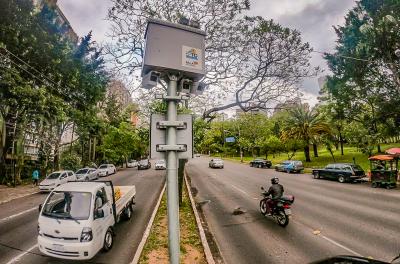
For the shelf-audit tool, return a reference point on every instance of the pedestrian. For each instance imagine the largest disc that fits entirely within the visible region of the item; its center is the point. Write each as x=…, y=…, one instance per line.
x=35, y=177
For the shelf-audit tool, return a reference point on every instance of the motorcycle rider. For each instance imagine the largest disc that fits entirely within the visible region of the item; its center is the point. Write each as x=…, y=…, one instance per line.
x=276, y=191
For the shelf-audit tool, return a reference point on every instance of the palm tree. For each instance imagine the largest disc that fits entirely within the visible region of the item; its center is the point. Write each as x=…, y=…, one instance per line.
x=304, y=125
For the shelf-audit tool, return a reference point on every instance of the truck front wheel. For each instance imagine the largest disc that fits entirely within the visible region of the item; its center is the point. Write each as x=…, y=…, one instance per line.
x=108, y=240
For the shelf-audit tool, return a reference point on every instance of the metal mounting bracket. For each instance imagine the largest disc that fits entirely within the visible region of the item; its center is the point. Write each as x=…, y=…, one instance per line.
x=179, y=148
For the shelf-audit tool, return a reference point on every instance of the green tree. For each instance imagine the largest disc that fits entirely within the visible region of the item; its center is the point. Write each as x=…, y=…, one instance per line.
x=366, y=70
x=119, y=143
x=304, y=125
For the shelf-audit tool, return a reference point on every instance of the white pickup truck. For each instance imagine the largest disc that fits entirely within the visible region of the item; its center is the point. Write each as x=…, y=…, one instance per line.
x=77, y=219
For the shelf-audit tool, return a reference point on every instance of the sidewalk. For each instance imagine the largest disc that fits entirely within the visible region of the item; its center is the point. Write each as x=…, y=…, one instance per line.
x=9, y=193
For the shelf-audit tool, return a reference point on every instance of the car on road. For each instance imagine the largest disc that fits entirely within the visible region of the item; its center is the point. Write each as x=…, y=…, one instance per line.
x=342, y=172
x=197, y=155
x=160, y=165
x=132, y=164
x=260, y=163
x=86, y=174
x=144, y=164
x=55, y=179
x=290, y=166
x=77, y=219
x=106, y=169
x=216, y=163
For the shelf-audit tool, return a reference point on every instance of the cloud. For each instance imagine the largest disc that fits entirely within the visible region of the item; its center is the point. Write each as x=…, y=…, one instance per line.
x=314, y=19
x=87, y=15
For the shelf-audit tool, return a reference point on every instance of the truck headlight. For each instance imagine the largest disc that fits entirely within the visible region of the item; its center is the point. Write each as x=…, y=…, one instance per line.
x=86, y=235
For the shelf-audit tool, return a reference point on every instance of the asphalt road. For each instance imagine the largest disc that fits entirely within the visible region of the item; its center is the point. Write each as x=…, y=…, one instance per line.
x=329, y=218
x=18, y=222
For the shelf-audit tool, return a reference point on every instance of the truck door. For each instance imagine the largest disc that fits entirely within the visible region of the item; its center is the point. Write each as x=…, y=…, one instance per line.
x=101, y=222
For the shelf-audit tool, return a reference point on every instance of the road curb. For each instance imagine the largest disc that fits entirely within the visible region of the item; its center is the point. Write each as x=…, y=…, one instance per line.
x=18, y=197
x=148, y=228
x=204, y=242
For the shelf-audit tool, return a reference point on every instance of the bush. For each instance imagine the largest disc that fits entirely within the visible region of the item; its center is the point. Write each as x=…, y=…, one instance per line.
x=70, y=162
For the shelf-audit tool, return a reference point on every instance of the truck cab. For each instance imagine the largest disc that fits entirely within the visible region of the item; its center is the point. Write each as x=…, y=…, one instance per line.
x=77, y=219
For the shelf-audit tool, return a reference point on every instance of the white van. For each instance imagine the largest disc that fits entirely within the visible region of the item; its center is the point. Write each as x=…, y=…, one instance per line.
x=55, y=179
x=77, y=219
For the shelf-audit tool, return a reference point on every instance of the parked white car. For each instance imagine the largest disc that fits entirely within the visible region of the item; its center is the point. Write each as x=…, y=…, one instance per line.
x=132, y=164
x=55, y=179
x=86, y=174
x=160, y=165
x=106, y=169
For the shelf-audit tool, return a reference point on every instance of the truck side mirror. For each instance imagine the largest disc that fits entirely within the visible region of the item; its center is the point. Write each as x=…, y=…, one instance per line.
x=40, y=207
x=99, y=213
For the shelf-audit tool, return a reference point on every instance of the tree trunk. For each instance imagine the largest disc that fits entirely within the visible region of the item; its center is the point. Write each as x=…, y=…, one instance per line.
x=241, y=155
x=94, y=149
x=341, y=143
x=379, y=148
x=307, y=153
x=72, y=138
x=90, y=149
x=315, y=148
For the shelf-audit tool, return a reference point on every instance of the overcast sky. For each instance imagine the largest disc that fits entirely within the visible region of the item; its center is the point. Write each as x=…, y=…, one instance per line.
x=314, y=18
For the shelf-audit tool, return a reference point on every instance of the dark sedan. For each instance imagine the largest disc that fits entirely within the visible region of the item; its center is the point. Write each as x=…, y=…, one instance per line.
x=342, y=172
x=260, y=163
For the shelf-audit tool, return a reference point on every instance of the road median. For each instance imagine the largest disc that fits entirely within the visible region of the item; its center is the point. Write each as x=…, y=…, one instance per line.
x=155, y=250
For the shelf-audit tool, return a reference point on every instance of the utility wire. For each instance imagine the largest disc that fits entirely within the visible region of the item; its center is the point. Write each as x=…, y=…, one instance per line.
x=22, y=68
x=349, y=57
x=24, y=62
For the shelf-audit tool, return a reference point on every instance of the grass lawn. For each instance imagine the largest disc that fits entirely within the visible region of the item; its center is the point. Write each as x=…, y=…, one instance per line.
x=156, y=248
x=324, y=157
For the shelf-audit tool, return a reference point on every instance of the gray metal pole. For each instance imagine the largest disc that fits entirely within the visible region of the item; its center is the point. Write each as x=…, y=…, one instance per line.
x=172, y=177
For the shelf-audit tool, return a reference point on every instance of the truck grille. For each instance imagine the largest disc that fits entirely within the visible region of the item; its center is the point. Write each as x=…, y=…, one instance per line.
x=63, y=253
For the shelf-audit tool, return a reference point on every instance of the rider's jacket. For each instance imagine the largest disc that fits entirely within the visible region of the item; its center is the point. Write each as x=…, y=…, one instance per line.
x=276, y=191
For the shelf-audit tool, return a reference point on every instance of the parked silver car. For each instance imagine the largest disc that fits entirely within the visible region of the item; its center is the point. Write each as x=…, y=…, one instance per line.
x=86, y=174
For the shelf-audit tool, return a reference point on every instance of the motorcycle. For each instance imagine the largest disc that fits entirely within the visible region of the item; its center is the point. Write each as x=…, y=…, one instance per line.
x=281, y=211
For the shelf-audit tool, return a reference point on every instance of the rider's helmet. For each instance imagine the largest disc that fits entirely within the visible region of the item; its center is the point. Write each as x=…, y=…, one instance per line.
x=275, y=180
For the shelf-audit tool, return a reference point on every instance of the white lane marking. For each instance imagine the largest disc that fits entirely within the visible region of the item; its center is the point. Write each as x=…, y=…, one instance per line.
x=244, y=192
x=340, y=245
x=146, y=233
x=16, y=215
x=18, y=258
x=240, y=190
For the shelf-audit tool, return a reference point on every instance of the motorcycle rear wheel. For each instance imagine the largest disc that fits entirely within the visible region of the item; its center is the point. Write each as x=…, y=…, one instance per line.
x=263, y=207
x=282, y=219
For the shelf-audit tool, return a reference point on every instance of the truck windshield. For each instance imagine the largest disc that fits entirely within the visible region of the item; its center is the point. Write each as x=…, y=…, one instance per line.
x=68, y=205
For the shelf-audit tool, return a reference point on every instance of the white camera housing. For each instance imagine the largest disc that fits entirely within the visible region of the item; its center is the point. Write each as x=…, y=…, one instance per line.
x=150, y=79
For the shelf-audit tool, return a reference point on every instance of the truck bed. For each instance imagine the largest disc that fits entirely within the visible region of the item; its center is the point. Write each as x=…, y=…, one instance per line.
x=127, y=194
